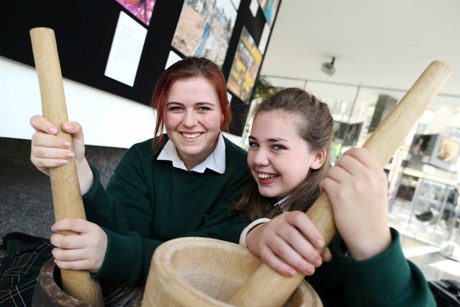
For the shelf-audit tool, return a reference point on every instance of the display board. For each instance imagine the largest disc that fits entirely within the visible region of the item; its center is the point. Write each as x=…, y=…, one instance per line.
x=122, y=46
x=438, y=150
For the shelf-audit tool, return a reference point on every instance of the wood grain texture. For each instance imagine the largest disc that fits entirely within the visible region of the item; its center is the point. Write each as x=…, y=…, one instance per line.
x=67, y=200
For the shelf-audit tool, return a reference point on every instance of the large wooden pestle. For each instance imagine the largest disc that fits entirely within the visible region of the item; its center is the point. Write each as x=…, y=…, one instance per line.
x=268, y=288
x=65, y=188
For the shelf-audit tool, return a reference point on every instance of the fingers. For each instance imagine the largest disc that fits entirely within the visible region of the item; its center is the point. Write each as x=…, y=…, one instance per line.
x=290, y=258
x=79, y=245
x=39, y=123
x=306, y=228
x=285, y=243
x=327, y=255
x=48, y=149
x=278, y=264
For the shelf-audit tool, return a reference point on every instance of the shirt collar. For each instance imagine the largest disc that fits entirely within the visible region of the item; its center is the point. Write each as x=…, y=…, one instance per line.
x=215, y=161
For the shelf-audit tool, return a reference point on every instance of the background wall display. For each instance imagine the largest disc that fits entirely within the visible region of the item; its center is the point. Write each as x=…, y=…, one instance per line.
x=142, y=9
x=85, y=33
x=436, y=149
x=204, y=29
x=269, y=7
x=347, y=134
x=245, y=67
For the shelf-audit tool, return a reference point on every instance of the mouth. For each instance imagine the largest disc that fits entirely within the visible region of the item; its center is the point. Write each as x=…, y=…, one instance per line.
x=191, y=136
x=266, y=176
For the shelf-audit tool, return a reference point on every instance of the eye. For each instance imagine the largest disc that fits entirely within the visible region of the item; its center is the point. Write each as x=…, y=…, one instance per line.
x=203, y=109
x=253, y=145
x=174, y=109
x=277, y=147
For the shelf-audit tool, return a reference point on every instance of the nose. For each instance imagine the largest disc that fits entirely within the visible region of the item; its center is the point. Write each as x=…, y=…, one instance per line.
x=260, y=157
x=189, y=119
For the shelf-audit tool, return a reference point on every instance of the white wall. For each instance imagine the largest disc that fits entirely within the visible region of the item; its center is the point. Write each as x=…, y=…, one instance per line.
x=107, y=119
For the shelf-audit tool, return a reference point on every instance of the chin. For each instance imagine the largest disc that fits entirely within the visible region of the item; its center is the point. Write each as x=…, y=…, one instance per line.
x=268, y=194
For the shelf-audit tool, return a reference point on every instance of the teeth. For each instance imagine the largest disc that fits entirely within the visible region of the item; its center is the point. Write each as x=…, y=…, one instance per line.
x=266, y=176
x=191, y=135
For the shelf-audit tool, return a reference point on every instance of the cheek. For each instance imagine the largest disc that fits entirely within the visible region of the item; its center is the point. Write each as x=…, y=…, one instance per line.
x=250, y=159
x=213, y=122
x=170, y=120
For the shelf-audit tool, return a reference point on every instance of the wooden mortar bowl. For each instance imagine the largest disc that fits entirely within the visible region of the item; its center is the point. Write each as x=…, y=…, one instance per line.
x=206, y=272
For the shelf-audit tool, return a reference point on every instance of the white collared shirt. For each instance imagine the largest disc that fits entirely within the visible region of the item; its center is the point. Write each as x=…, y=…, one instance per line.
x=215, y=161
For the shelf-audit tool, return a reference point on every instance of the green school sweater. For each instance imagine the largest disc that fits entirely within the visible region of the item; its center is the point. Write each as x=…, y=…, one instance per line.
x=148, y=202
x=387, y=279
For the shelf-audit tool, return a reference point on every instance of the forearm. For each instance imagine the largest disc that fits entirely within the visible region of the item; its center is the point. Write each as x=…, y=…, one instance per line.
x=85, y=176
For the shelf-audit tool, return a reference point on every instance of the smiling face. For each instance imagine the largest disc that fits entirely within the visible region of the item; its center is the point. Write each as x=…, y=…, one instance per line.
x=279, y=159
x=192, y=119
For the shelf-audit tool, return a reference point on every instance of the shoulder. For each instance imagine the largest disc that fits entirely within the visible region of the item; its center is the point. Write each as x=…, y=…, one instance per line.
x=140, y=151
x=233, y=149
x=147, y=148
x=143, y=145
x=235, y=160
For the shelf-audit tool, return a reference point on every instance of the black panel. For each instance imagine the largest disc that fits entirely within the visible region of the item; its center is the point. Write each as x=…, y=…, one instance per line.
x=84, y=33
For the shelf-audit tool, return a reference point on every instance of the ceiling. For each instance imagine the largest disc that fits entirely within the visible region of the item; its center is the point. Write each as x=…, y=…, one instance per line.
x=375, y=43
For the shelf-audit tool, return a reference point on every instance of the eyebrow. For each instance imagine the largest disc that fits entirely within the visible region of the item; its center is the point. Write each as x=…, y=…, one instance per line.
x=195, y=103
x=271, y=140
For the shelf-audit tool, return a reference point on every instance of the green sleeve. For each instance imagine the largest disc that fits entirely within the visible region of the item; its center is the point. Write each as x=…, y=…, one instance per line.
x=387, y=279
x=127, y=259
x=125, y=221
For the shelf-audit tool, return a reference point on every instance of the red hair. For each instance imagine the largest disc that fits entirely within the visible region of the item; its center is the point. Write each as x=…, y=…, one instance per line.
x=187, y=68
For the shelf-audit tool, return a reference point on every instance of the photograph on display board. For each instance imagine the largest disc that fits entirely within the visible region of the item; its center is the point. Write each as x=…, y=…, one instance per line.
x=142, y=9
x=447, y=150
x=269, y=8
x=245, y=67
x=204, y=29
x=435, y=149
x=420, y=145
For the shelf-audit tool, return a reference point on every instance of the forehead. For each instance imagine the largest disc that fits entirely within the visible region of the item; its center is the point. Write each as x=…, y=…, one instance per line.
x=275, y=124
x=195, y=89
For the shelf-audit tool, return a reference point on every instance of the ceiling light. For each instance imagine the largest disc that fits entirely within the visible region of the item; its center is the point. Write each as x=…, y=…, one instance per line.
x=328, y=67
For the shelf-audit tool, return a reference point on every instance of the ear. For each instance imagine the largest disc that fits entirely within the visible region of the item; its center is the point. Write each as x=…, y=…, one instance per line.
x=319, y=159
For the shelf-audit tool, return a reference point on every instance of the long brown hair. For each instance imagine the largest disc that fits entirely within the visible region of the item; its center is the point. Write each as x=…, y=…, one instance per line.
x=314, y=124
x=187, y=68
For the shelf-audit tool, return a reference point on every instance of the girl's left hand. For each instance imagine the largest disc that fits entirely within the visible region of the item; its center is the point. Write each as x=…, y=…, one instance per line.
x=357, y=190
x=289, y=243
x=83, y=249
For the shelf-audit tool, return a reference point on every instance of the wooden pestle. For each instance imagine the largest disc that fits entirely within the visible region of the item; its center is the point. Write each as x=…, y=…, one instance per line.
x=65, y=188
x=268, y=288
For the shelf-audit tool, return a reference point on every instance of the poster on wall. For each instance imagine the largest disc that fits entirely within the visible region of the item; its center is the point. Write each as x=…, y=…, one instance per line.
x=172, y=58
x=141, y=9
x=269, y=8
x=245, y=67
x=125, y=52
x=204, y=29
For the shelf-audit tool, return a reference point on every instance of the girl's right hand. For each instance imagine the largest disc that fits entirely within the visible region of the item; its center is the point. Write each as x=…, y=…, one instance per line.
x=48, y=150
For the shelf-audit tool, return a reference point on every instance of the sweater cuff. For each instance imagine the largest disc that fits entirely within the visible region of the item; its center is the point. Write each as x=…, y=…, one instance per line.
x=114, y=267
x=390, y=264
x=248, y=228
